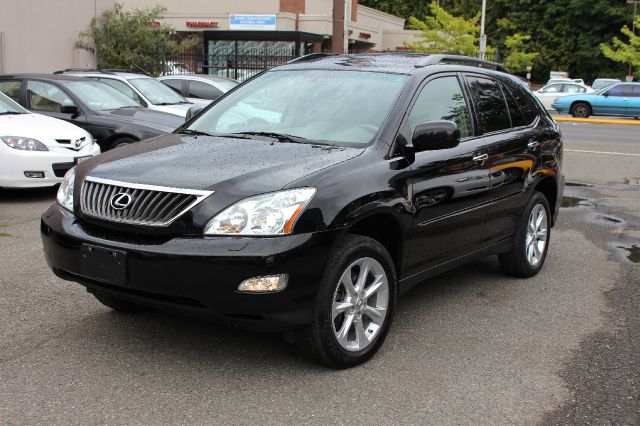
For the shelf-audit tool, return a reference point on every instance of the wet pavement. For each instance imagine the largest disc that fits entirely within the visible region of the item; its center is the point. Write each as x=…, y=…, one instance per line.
x=471, y=346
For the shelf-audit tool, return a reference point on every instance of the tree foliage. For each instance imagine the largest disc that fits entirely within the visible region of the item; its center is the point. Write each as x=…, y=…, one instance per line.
x=444, y=33
x=627, y=53
x=134, y=40
x=517, y=58
x=566, y=34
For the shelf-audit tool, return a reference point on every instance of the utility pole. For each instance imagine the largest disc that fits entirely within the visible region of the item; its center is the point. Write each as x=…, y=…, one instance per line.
x=483, y=37
x=633, y=29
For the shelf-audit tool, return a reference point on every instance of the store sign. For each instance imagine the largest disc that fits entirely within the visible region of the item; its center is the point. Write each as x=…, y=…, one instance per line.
x=202, y=24
x=252, y=22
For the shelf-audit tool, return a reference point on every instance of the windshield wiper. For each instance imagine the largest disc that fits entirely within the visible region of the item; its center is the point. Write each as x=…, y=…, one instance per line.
x=201, y=133
x=11, y=113
x=172, y=103
x=280, y=137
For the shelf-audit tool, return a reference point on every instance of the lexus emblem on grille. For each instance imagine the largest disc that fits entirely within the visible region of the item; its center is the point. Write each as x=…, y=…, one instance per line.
x=120, y=201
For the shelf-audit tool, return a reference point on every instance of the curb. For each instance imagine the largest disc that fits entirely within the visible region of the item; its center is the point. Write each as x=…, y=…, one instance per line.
x=596, y=121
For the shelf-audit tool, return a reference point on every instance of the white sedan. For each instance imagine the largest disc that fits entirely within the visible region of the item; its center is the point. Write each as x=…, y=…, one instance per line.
x=36, y=150
x=555, y=90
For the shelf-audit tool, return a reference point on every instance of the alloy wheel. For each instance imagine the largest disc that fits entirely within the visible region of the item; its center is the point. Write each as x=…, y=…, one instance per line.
x=360, y=304
x=536, y=237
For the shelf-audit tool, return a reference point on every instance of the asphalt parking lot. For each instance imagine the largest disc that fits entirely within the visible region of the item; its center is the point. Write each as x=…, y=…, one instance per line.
x=468, y=347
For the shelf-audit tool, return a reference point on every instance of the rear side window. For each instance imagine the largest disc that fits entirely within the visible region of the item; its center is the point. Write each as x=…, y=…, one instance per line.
x=524, y=100
x=441, y=99
x=491, y=108
x=517, y=118
x=200, y=90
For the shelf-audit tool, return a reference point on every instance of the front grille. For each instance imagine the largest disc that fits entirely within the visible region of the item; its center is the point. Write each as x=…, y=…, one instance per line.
x=147, y=205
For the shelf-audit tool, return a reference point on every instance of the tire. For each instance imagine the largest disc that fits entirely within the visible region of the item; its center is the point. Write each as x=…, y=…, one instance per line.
x=364, y=333
x=530, y=243
x=118, y=305
x=581, y=110
x=120, y=142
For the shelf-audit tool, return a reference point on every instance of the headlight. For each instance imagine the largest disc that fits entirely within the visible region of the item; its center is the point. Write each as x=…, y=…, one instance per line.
x=65, y=192
x=268, y=214
x=23, y=144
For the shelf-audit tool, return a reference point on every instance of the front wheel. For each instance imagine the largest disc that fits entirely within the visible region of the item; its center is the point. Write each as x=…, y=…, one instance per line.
x=354, y=306
x=530, y=241
x=581, y=110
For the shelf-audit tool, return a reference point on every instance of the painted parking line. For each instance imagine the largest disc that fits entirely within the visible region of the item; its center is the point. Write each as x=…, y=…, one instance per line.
x=596, y=121
x=602, y=152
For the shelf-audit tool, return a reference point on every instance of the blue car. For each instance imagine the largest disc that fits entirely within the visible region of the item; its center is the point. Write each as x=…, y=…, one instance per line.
x=617, y=99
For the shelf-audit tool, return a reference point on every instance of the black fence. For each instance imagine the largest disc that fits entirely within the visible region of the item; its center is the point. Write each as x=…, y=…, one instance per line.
x=231, y=65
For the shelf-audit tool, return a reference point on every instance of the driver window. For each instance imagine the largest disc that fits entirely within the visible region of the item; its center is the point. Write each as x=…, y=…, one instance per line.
x=441, y=99
x=43, y=96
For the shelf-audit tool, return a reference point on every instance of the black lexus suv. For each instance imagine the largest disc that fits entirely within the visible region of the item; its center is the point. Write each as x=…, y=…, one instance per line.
x=308, y=198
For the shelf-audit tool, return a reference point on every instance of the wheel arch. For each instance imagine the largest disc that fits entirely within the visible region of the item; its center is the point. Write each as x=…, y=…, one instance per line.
x=548, y=186
x=581, y=101
x=117, y=136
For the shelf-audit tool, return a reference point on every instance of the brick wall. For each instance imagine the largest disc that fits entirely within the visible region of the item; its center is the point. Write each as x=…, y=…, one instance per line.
x=293, y=6
x=354, y=10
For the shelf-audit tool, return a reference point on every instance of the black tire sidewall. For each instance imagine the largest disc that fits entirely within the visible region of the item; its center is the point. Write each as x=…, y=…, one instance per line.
x=581, y=105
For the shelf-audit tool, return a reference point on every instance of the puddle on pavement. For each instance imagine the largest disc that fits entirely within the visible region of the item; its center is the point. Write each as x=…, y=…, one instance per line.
x=633, y=253
x=608, y=219
x=576, y=184
x=571, y=201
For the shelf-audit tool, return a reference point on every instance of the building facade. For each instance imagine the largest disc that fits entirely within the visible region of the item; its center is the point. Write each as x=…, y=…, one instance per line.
x=40, y=35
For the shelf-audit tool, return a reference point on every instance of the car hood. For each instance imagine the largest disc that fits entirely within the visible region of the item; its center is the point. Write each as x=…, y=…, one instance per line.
x=243, y=166
x=179, y=110
x=161, y=121
x=40, y=127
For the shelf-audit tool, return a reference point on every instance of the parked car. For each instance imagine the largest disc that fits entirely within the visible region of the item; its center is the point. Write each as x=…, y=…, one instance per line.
x=601, y=83
x=199, y=89
x=112, y=118
x=564, y=80
x=315, y=222
x=549, y=93
x=36, y=150
x=618, y=99
x=141, y=88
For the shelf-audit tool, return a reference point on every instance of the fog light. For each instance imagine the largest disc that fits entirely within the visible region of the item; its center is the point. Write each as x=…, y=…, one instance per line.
x=268, y=284
x=37, y=175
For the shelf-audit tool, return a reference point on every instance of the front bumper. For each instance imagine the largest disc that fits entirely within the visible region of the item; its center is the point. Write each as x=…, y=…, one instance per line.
x=199, y=275
x=54, y=164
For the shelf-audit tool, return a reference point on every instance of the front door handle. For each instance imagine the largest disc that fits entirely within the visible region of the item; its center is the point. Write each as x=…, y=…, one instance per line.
x=480, y=157
x=533, y=144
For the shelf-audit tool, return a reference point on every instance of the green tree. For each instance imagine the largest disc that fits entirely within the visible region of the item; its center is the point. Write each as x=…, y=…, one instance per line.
x=517, y=58
x=445, y=33
x=627, y=53
x=134, y=40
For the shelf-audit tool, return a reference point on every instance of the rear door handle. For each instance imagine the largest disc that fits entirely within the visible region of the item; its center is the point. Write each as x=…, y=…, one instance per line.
x=480, y=157
x=533, y=144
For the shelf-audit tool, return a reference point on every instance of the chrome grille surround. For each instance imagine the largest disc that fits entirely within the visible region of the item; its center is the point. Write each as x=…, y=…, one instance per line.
x=150, y=206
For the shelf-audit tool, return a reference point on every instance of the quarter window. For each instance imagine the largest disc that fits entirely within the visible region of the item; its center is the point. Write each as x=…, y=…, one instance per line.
x=524, y=100
x=441, y=99
x=43, y=96
x=554, y=88
x=490, y=105
x=175, y=84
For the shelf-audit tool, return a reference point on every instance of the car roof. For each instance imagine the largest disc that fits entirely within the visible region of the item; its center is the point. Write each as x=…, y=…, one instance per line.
x=50, y=77
x=200, y=77
x=396, y=62
x=102, y=73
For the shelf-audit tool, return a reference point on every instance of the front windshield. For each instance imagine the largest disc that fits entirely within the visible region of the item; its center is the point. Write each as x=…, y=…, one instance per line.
x=8, y=106
x=227, y=84
x=99, y=96
x=341, y=107
x=157, y=93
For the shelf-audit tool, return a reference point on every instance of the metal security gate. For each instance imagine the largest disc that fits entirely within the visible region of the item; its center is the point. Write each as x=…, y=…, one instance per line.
x=241, y=60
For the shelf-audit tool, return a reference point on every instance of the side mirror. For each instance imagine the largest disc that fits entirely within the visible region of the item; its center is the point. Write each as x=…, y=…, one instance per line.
x=191, y=112
x=69, y=109
x=435, y=135
x=605, y=94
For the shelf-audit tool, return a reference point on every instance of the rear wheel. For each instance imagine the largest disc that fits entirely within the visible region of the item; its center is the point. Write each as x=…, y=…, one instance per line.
x=531, y=240
x=581, y=110
x=354, y=306
x=118, y=305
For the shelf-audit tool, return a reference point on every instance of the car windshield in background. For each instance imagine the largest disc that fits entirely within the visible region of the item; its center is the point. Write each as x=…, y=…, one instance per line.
x=341, y=107
x=227, y=84
x=156, y=92
x=99, y=96
x=8, y=106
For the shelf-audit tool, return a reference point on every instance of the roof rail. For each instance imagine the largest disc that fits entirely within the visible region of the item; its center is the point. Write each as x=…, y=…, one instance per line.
x=309, y=57
x=464, y=60
x=75, y=70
